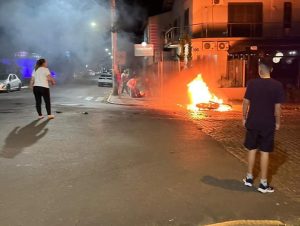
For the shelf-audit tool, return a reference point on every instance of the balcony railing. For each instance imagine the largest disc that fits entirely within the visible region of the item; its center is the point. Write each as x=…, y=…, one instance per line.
x=227, y=30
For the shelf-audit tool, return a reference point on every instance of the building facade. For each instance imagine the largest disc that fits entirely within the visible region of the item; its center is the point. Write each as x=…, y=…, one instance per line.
x=228, y=36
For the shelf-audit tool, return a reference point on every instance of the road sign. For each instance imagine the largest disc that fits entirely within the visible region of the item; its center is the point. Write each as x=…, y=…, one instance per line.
x=143, y=50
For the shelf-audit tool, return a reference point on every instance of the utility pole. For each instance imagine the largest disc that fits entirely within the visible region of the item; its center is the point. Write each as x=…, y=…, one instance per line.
x=114, y=48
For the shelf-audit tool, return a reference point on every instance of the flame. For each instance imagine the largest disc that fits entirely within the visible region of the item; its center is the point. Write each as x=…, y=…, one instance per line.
x=199, y=93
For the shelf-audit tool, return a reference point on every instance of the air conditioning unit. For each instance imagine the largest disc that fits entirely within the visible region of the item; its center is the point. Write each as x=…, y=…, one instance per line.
x=223, y=46
x=208, y=45
x=217, y=2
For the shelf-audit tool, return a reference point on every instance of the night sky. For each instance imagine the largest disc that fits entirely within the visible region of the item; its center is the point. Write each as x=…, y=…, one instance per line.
x=152, y=7
x=132, y=20
x=138, y=10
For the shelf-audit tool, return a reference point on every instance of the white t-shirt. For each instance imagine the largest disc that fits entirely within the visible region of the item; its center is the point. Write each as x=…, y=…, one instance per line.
x=40, y=77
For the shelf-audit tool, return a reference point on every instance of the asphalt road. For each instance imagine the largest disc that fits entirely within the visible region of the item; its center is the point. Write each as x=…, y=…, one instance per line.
x=118, y=165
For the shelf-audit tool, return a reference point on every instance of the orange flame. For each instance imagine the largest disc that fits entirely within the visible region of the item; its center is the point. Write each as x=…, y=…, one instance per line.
x=199, y=94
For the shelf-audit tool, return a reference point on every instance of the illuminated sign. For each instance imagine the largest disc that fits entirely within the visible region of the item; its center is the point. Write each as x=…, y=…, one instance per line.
x=143, y=50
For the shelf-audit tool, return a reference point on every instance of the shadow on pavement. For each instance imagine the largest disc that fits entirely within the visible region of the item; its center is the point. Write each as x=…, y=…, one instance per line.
x=277, y=159
x=20, y=138
x=228, y=184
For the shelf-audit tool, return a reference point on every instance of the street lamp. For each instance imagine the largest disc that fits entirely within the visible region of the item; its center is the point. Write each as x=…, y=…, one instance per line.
x=93, y=24
x=106, y=50
x=144, y=44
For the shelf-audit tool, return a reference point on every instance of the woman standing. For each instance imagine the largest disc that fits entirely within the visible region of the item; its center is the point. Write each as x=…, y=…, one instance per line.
x=41, y=78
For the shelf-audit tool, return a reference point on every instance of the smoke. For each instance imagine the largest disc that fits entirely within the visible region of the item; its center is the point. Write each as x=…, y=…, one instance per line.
x=78, y=29
x=132, y=18
x=130, y=24
x=53, y=27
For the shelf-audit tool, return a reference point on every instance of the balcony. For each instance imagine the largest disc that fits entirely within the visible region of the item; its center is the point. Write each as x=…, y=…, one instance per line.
x=231, y=30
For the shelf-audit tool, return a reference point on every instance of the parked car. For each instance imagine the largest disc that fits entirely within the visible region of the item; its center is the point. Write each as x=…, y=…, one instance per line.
x=91, y=73
x=105, y=79
x=10, y=82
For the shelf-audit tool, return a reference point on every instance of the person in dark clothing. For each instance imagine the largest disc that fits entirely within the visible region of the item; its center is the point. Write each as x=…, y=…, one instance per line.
x=261, y=117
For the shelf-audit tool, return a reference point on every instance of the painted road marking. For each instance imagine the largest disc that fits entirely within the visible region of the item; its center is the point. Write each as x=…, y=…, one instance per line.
x=99, y=99
x=89, y=98
x=68, y=104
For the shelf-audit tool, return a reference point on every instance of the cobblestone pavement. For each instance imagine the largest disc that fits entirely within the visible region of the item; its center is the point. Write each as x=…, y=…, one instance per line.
x=226, y=128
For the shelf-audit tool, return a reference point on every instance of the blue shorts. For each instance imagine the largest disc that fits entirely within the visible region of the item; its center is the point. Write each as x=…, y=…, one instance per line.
x=262, y=140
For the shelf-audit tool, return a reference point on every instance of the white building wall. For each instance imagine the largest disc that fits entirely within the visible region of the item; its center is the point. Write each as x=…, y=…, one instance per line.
x=214, y=62
x=205, y=12
x=273, y=10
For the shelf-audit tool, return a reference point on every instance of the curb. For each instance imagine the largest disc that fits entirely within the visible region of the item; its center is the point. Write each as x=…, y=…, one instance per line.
x=250, y=223
x=121, y=104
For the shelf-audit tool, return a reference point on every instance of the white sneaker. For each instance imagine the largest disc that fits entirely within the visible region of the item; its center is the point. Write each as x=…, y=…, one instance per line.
x=51, y=116
x=40, y=117
x=265, y=189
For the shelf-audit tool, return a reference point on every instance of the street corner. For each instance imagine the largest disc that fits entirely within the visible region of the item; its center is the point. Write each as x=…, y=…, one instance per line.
x=250, y=223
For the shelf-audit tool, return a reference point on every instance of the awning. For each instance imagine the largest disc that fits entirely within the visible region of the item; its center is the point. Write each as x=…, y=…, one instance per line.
x=264, y=45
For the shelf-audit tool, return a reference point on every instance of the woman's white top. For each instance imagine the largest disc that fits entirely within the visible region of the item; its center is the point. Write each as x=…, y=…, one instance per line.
x=41, y=77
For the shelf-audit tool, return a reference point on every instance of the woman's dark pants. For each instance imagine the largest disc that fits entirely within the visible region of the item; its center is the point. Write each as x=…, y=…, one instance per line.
x=40, y=92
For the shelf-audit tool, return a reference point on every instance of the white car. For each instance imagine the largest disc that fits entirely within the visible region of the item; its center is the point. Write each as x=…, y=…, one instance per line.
x=105, y=79
x=91, y=73
x=10, y=82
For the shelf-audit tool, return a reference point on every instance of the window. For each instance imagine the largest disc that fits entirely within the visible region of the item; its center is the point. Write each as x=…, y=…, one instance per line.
x=235, y=74
x=175, y=25
x=245, y=19
x=179, y=22
x=186, y=20
x=287, y=15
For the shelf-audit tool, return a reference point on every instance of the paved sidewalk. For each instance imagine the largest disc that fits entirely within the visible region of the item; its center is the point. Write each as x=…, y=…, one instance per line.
x=226, y=128
x=126, y=100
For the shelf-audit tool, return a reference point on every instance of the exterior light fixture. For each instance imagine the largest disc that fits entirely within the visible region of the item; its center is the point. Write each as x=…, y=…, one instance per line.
x=93, y=24
x=277, y=57
x=253, y=48
x=293, y=53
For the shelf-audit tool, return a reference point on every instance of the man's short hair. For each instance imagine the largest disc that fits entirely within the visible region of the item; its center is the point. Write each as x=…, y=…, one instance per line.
x=267, y=61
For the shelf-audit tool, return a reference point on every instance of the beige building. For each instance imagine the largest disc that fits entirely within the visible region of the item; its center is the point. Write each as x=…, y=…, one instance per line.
x=228, y=36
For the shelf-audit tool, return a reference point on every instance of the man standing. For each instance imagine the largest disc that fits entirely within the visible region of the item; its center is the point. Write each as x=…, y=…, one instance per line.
x=125, y=78
x=261, y=117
